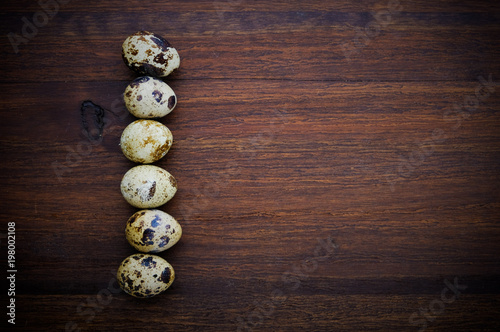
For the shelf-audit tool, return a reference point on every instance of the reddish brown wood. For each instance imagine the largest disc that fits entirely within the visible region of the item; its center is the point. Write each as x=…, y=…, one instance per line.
x=316, y=192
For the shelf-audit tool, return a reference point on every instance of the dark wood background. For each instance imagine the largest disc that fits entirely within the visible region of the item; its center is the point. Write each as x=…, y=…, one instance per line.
x=336, y=172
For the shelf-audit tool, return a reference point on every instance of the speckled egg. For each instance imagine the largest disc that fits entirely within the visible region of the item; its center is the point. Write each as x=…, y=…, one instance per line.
x=143, y=275
x=152, y=231
x=145, y=141
x=148, y=186
x=147, y=53
x=148, y=97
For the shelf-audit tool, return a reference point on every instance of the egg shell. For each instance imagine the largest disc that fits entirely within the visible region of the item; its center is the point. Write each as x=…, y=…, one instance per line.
x=148, y=186
x=147, y=97
x=146, y=141
x=142, y=275
x=149, y=54
x=152, y=231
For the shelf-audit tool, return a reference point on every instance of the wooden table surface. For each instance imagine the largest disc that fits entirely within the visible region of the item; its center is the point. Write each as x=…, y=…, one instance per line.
x=338, y=165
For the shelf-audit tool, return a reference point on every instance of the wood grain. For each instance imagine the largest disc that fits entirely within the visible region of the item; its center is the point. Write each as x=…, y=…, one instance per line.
x=316, y=192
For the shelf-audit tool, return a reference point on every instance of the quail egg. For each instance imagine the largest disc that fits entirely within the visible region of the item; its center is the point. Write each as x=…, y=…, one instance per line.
x=148, y=97
x=146, y=141
x=148, y=186
x=149, y=54
x=142, y=275
x=152, y=231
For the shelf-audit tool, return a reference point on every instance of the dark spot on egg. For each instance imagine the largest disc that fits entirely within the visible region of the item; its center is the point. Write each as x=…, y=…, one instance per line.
x=171, y=102
x=160, y=59
x=157, y=95
x=147, y=237
x=139, y=98
x=152, y=190
x=148, y=69
x=156, y=221
x=163, y=241
x=131, y=220
x=138, y=80
x=148, y=262
x=162, y=43
x=127, y=280
x=165, y=276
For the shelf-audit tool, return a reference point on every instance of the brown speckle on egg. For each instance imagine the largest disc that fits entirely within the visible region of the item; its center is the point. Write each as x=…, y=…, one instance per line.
x=173, y=182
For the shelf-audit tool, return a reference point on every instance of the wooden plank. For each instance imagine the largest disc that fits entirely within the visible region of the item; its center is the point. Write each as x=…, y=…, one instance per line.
x=313, y=46
x=329, y=157
x=312, y=312
x=137, y=6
